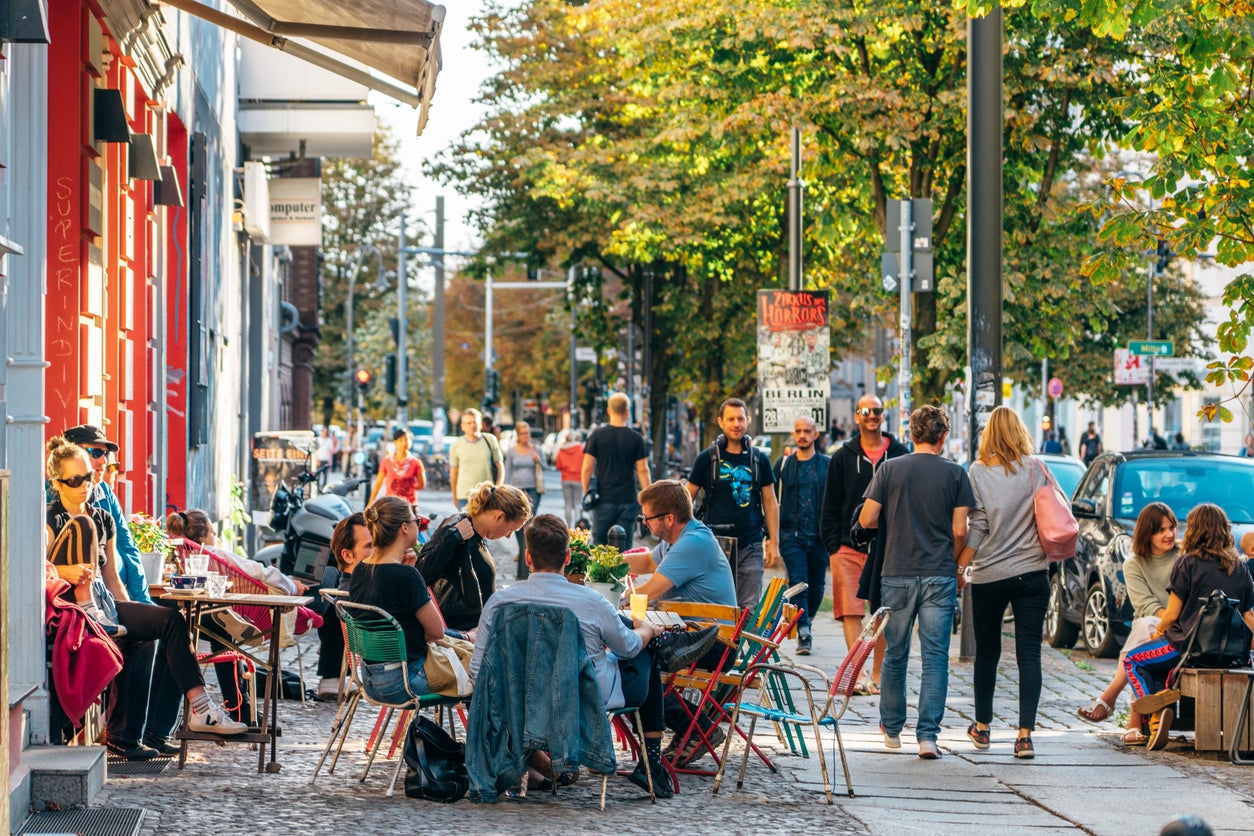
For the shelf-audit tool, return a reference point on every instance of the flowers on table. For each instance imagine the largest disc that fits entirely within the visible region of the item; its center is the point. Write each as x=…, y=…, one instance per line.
x=580, y=548
x=148, y=533
x=606, y=565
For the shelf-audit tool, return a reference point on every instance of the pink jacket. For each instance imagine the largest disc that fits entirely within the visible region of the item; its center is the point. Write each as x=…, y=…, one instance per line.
x=84, y=658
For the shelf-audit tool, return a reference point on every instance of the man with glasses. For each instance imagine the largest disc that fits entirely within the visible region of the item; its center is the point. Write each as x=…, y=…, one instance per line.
x=851, y=469
x=98, y=447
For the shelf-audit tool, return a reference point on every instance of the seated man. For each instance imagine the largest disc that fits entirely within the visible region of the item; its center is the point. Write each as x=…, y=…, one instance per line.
x=628, y=671
x=687, y=565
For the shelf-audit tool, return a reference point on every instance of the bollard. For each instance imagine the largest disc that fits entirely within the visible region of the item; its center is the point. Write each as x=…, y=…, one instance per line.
x=616, y=537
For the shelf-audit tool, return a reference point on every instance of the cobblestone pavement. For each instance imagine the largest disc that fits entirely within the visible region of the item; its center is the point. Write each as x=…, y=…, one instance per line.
x=1070, y=787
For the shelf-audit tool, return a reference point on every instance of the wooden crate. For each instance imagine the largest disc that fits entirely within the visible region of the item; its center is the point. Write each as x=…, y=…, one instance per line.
x=1217, y=695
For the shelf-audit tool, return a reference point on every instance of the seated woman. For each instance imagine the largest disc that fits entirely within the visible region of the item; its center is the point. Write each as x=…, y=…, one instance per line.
x=456, y=562
x=1147, y=574
x=81, y=538
x=386, y=581
x=1209, y=563
x=196, y=527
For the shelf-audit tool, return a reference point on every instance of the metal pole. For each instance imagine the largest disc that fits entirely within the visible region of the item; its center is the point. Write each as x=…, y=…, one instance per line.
x=794, y=214
x=1149, y=335
x=1045, y=395
x=984, y=239
x=574, y=345
x=402, y=384
x=437, y=312
x=487, y=332
x=906, y=283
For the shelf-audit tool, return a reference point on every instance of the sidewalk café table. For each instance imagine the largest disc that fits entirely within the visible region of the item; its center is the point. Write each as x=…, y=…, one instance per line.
x=668, y=620
x=195, y=604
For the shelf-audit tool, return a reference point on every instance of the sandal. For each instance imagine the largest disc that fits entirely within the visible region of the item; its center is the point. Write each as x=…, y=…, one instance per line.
x=1024, y=749
x=873, y=688
x=1096, y=711
x=1134, y=737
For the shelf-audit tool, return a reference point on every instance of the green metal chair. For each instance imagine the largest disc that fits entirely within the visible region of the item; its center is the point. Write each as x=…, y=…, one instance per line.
x=372, y=633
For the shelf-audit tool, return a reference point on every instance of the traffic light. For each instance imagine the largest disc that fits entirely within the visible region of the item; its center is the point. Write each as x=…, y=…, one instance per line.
x=1164, y=253
x=389, y=373
x=363, y=378
x=491, y=387
x=1046, y=423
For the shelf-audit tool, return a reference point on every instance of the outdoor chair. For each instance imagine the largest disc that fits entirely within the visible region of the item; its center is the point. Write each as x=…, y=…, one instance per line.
x=839, y=689
x=630, y=740
x=372, y=633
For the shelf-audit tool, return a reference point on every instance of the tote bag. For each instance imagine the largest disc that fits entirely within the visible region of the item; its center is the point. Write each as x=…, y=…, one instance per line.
x=1055, y=526
x=447, y=667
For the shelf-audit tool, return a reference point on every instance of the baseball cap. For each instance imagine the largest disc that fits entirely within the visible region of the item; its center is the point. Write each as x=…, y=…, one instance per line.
x=88, y=434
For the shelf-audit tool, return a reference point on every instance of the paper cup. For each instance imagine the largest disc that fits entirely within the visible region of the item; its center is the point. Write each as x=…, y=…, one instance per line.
x=639, y=606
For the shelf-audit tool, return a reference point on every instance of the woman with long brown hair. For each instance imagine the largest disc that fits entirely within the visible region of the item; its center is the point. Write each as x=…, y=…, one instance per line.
x=1146, y=575
x=1209, y=563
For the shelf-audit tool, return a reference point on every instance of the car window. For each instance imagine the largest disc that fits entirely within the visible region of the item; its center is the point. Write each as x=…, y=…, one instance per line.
x=1095, y=485
x=1184, y=484
x=1068, y=472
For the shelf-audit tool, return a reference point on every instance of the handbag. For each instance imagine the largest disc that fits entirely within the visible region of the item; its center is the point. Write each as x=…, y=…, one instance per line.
x=1056, y=527
x=1219, y=638
x=435, y=763
x=448, y=667
x=539, y=479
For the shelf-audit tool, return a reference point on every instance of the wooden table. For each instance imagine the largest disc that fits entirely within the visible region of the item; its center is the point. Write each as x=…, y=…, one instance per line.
x=668, y=620
x=197, y=604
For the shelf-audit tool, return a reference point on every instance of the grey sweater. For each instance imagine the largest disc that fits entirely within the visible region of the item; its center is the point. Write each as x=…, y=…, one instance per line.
x=1147, y=582
x=1002, y=527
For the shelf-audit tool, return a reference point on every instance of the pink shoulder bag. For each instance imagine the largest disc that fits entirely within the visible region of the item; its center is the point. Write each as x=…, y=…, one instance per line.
x=1055, y=526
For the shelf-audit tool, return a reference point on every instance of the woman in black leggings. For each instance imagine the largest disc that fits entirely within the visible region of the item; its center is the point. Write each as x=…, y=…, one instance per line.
x=81, y=538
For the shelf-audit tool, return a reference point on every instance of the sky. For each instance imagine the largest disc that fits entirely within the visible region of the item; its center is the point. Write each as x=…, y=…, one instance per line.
x=452, y=112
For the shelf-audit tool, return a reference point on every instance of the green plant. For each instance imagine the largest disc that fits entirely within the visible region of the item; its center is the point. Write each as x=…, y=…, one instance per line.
x=606, y=565
x=580, y=548
x=236, y=518
x=148, y=534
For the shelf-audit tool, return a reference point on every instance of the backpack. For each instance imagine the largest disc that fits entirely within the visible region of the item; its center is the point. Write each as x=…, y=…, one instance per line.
x=1219, y=638
x=715, y=460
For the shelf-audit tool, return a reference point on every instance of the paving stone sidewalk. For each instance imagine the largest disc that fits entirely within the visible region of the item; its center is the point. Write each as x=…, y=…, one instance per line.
x=1081, y=780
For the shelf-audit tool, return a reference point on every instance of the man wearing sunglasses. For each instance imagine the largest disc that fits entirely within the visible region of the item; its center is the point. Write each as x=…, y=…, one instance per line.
x=98, y=447
x=852, y=466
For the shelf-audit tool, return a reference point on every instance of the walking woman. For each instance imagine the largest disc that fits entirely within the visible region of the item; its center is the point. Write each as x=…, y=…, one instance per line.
x=386, y=581
x=1008, y=567
x=1209, y=563
x=81, y=547
x=524, y=469
x=456, y=562
x=1146, y=575
x=400, y=474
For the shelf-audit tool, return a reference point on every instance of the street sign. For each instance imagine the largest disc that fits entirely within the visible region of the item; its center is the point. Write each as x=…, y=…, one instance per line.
x=1172, y=365
x=586, y=354
x=1152, y=348
x=889, y=268
x=924, y=274
x=1054, y=387
x=1130, y=369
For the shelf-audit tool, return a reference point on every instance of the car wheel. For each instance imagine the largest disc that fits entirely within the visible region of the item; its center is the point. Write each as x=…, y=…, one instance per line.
x=1098, y=636
x=1059, y=632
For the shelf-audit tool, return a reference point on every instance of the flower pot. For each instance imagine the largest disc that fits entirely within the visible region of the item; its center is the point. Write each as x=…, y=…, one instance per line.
x=609, y=591
x=154, y=566
x=577, y=579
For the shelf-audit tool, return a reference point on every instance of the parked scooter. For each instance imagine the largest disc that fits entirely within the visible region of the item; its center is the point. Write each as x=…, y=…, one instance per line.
x=306, y=526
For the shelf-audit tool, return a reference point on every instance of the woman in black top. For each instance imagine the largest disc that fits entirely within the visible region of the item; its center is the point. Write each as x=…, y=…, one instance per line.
x=456, y=561
x=1209, y=563
x=81, y=538
x=385, y=580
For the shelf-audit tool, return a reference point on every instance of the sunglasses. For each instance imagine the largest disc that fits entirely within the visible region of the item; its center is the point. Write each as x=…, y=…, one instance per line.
x=642, y=519
x=76, y=481
x=868, y=411
x=96, y=452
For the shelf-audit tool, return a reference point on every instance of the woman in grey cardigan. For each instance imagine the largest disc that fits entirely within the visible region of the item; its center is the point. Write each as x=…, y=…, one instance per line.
x=1007, y=567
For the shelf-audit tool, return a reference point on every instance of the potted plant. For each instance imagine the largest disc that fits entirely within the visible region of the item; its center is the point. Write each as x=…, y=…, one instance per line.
x=606, y=568
x=580, y=547
x=152, y=543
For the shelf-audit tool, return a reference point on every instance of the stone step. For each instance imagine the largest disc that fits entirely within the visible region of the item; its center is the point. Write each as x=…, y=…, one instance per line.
x=65, y=776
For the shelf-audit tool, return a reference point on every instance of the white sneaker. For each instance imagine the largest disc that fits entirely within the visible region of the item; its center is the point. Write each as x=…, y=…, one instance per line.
x=328, y=688
x=215, y=720
x=892, y=741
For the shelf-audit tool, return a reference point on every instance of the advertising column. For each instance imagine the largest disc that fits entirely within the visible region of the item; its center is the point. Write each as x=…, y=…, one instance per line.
x=794, y=359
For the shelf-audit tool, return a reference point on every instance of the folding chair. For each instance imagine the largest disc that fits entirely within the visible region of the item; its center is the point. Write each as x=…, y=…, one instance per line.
x=374, y=634
x=631, y=743
x=841, y=688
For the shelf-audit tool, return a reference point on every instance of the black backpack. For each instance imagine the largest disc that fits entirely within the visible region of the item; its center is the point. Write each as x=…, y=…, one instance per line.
x=1219, y=638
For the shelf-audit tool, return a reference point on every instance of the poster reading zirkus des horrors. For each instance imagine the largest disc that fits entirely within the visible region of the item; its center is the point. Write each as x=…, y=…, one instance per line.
x=794, y=361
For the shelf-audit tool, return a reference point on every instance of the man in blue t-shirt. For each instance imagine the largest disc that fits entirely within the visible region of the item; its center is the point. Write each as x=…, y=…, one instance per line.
x=739, y=498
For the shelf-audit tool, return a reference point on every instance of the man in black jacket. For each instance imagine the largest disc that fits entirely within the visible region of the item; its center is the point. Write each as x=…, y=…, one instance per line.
x=850, y=472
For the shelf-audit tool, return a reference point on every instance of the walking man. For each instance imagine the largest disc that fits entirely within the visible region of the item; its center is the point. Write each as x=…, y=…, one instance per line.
x=801, y=478
x=615, y=454
x=739, y=501
x=920, y=504
x=853, y=465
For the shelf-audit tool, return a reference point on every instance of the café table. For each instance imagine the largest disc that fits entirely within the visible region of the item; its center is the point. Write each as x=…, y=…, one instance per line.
x=196, y=604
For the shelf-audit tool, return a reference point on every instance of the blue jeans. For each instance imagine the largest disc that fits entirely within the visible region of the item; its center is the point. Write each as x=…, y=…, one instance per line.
x=608, y=514
x=749, y=567
x=931, y=601
x=384, y=682
x=806, y=559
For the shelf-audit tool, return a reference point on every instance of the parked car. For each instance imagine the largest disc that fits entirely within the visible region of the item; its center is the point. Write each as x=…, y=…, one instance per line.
x=1066, y=470
x=1088, y=597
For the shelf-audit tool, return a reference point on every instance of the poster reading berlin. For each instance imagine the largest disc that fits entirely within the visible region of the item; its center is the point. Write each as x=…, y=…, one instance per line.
x=794, y=360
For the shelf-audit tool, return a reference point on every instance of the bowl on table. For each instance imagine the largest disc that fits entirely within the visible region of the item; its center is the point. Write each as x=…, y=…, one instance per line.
x=188, y=583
